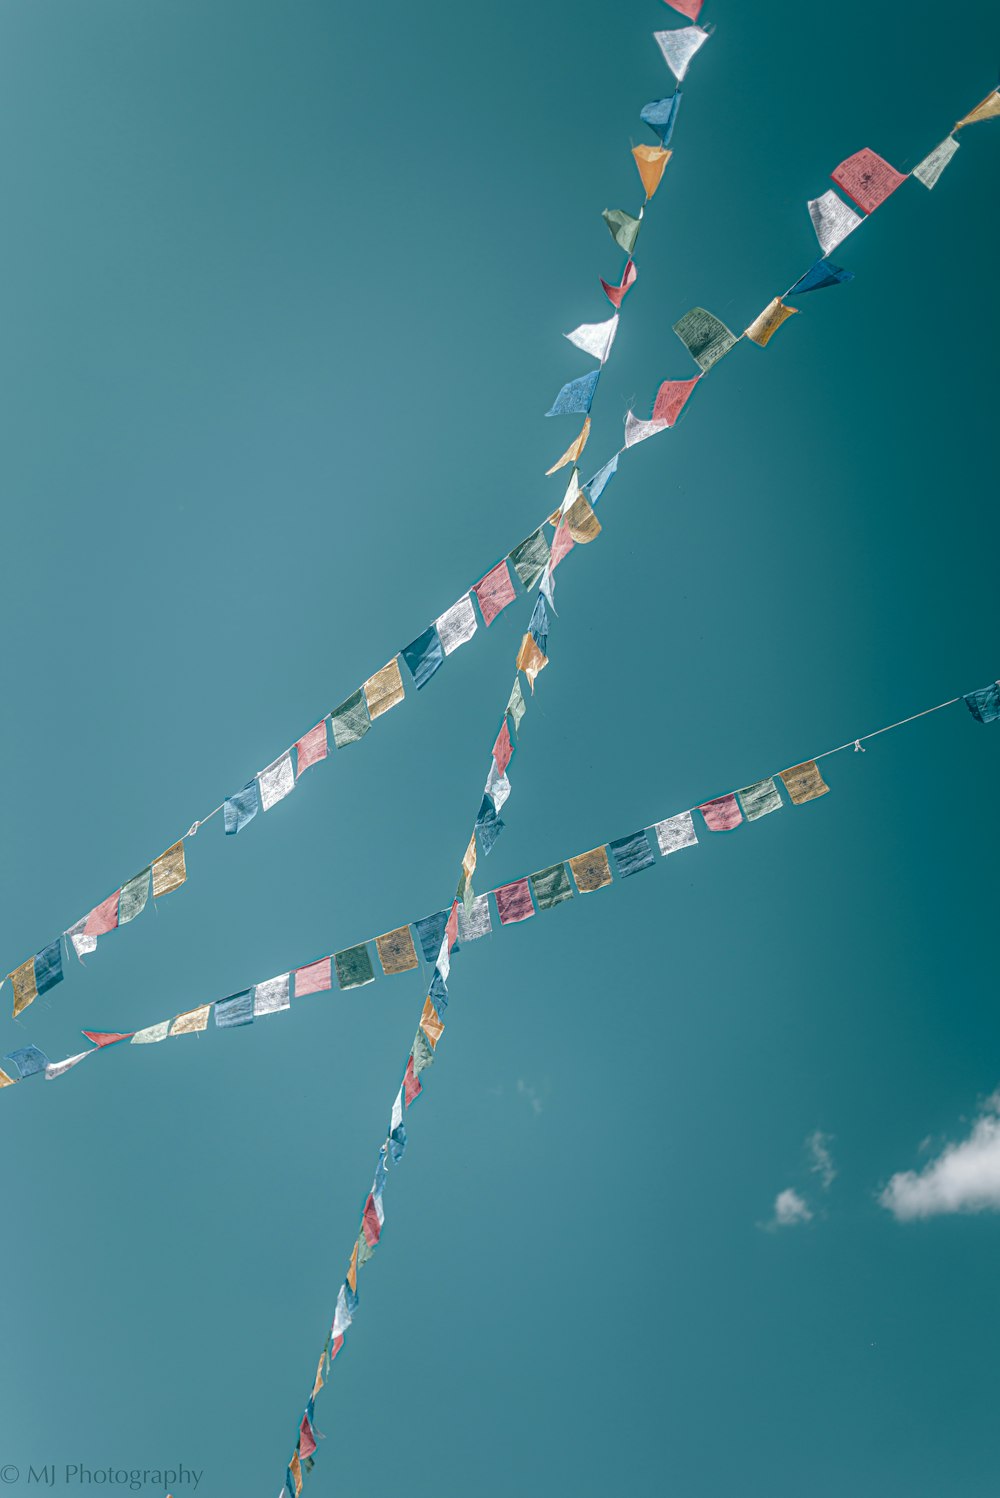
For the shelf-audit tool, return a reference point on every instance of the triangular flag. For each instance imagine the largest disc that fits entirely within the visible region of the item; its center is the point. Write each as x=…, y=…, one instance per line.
x=989, y=109
x=671, y=398
x=651, y=161
x=661, y=115
x=572, y=453
x=616, y=294
x=624, y=228
x=767, y=323
x=821, y=274
x=930, y=169
x=689, y=8
x=596, y=486
x=638, y=431
x=832, y=220
x=102, y=1038
x=58, y=1068
x=595, y=338
x=678, y=47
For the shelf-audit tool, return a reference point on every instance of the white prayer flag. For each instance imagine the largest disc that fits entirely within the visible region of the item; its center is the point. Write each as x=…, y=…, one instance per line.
x=678, y=47
x=595, y=338
x=675, y=833
x=832, y=220
x=933, y=165
x=271, y=995
x=638, y=431
x=456, y=625
x=276, y=781
x=56, y=1068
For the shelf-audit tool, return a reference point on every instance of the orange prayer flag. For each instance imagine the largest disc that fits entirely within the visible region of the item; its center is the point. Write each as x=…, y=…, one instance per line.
x=651, y=161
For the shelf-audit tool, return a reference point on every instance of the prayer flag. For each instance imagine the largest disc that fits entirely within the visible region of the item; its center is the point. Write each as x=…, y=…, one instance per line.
x=867, y=178
x=503, y=751
x=475, y=922
x=930, y=169
x=271, y=996
x=517, y=707
x=722, y=814
x=984, y=705
x=489, y=826
x=494, y=592
x=307, y=1441
x=832, y=220
x=295, y=1468
x=396, y=951
x=104, y=917
x=411, y=1082
x=514, y=903
x=595, y=338
x=48, y=967
x=551, y=886
x=470, y=857
x=350, y=721
x=135, y=893
x=311, y=747
x=430, y=934
x=277, y=781
x=651, y=161
x=989, y=109
x=58, y=1068
x=370, y=1223
x=538, y=628
x=430, y=1023
x=530, y=660
x=383, y=690
x=102, y=1038
x=759, y=799
x=352, y=1270
x=23, y=981
x=81, y=942
x=632, y=854
x=530, y=557
x=314, y=978
x=767, y=323
x=678, y=47
x=6, y=1081
x=169, y=871
x=675, y=833
x=424, y=656
x=29, y=1060
x=240, y=808
x=151, y=1034
x=706, y=338
x=591, y=870
x=583, y=524
x=318, y=1380
x=354, y=967
x=572, y=453
x=624, y=231
x=820, y=274
x=804, y=782
x=596, y=486
x=575, y=397
x=689, y=8
x=637, y=431
x=671, y=398
x=422, y=1054
x=457, y=625
x=237, y=1010
x=497, y=786
x=616, y=294
x=191, y=1021
x=661, y=115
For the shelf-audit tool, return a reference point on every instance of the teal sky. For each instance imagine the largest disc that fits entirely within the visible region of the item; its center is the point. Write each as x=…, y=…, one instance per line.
x=282, y=311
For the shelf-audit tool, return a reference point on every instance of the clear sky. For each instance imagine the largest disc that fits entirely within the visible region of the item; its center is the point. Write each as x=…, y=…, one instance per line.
x=282, y=311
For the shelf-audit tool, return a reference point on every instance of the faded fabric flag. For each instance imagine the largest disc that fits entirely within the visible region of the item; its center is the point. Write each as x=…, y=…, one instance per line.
x=989, y=109
x=637, y=431
x=832, y=219
x=396, y=951
x=551, y=886
x=475, y=922
x=591, y=870
x=596, y=486
x=767, y=323
x=277, y=781
x=311, y=747
x=135, y=893
x=984, y=705
x=689, y=8
x=497, y=787
x=350, y=721
x=650, y=161
x=572, y=453
x=514, y=902
x=313, y=978
x=430, y=934
x=530, y=558
x=632, y=854
x=101, y=1038
x=584, y=525
x=706, y=339
x=624, y=230
x=575, y=397
x=517, y=707
x=354, y=966
x=721, y=814
x=678, y=47
x=661, y=115
x=495, y=592
x=531, y=660
x=104, y=917
x=422, y=1053
x=192, y=1021
x=431, y=1023
x=538, y=629
x=760, y=799
x=820, y=274
x=804, y=782
x=675, y=833
x=867, y=178
x=595, y=338
x=424, y=656
x=151, y=1033
x=29, y=1060
x=240, y=808
x=616, y=294
x=457, y=625
x=272, y=996
x=237, y=1010
x=169, y=871
x=411, y=1083
x=671, y=398
x=930, y=169
x=384, y=690
x=6, y=1081
x=489, y=826
x=503, y=749
x=59, y=1068
x=48, y=967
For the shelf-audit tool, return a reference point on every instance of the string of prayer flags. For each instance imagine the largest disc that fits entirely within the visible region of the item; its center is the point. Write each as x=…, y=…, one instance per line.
x=616, y=294
x=929, y=170
x=551, y=886
x=494, y=592
x=424, y=656
x=315, y=977
x=675, y=833
x=384, y=690
x=169, y=871
x=832, y=219
x=514, y=903
x=350, y=721
x=984, y=704
x=671, y=398
x=867, y=178
x=457, y=625
x=820, y=274
x=311, y=747
x=354, y=967
x=767, y=323
x=632, y=854
x=572, y=453
x=988, y=109
x=721, y=814
x=678, y=47
x=804, y=782
x=650, y=162
x=591, y=870
x=689, y=8
x=624, y=229
x=661, y=115
x=706, y=339
x=595, y=338
x=760, y=799
x=240, y=808
x=530, y=558
x=396, y=951
x=276, y=782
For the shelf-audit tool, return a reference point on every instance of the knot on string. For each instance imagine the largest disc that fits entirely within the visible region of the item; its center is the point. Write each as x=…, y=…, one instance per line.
x=859, y=748
x=192, y=829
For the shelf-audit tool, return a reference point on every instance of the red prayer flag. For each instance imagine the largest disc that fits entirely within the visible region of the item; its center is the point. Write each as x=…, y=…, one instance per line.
x=671, y=398
x=106, y=1037
x=722, y=814
x=514, y=903
x=562, y=543
x=689, y=8
x=411, y=1082
x=311, y=747
x=616, y=294
x=494, y=591
x=503, y=750
x=307, y=1441
x=314, y=978
x=104, y=917
x=451, y=930
x=867, y=179
x=370, y=1225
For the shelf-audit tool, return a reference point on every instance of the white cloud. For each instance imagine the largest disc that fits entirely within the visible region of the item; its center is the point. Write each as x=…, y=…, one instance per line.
x=965, y=1177
x=789, y=1210
x=820, y=1158
x=531, y=1093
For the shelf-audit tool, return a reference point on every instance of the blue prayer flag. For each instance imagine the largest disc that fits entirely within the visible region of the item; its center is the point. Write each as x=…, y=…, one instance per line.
x=632, y=854
x=241, y=808
x=438, y=993
x=538, y=627
x=430, y=934
x=48, y=967
x=823, y=273
x=236, y=1010
x=424, y=656
x=576, y=397
x=489, y=826
x=397, y=1143
x=984, y=705
x=661, y=115
x=28, y=1060
x=596, y=486
x=381, y=1176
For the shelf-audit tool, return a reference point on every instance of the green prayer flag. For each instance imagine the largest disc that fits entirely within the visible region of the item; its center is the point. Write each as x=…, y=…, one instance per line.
x=551, y=886
x=530, y=558
x=365, y=1250
x=705, y=337
x=759, y=799
x=350, y=721
x=132, y=901
x=423, y=1053
x=624, y=228
x=516, y=706
x=354, y=967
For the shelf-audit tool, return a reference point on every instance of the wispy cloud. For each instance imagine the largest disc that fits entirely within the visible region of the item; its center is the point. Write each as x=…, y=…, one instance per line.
x=531, y=1093
x=790, y=1209
x=820, y=1158
x=965, y=1177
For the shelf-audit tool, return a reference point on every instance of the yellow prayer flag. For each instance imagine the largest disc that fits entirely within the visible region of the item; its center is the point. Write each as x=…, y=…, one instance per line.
x=384, y=689
x=6, y=1081
x=396, y=951
x=318, y=1380
x=295, y=1467
x=352, y=1275
x=764, y=327
x=469, y=857
x=989, y=109
x=804, y=782
x=572, y=453
x=192, y=1020
x=169, y=871
x=583, y=524
x=591, y=870
x=651, y=160
x=530, y=659
x=430, y=1022
x=25, y=990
